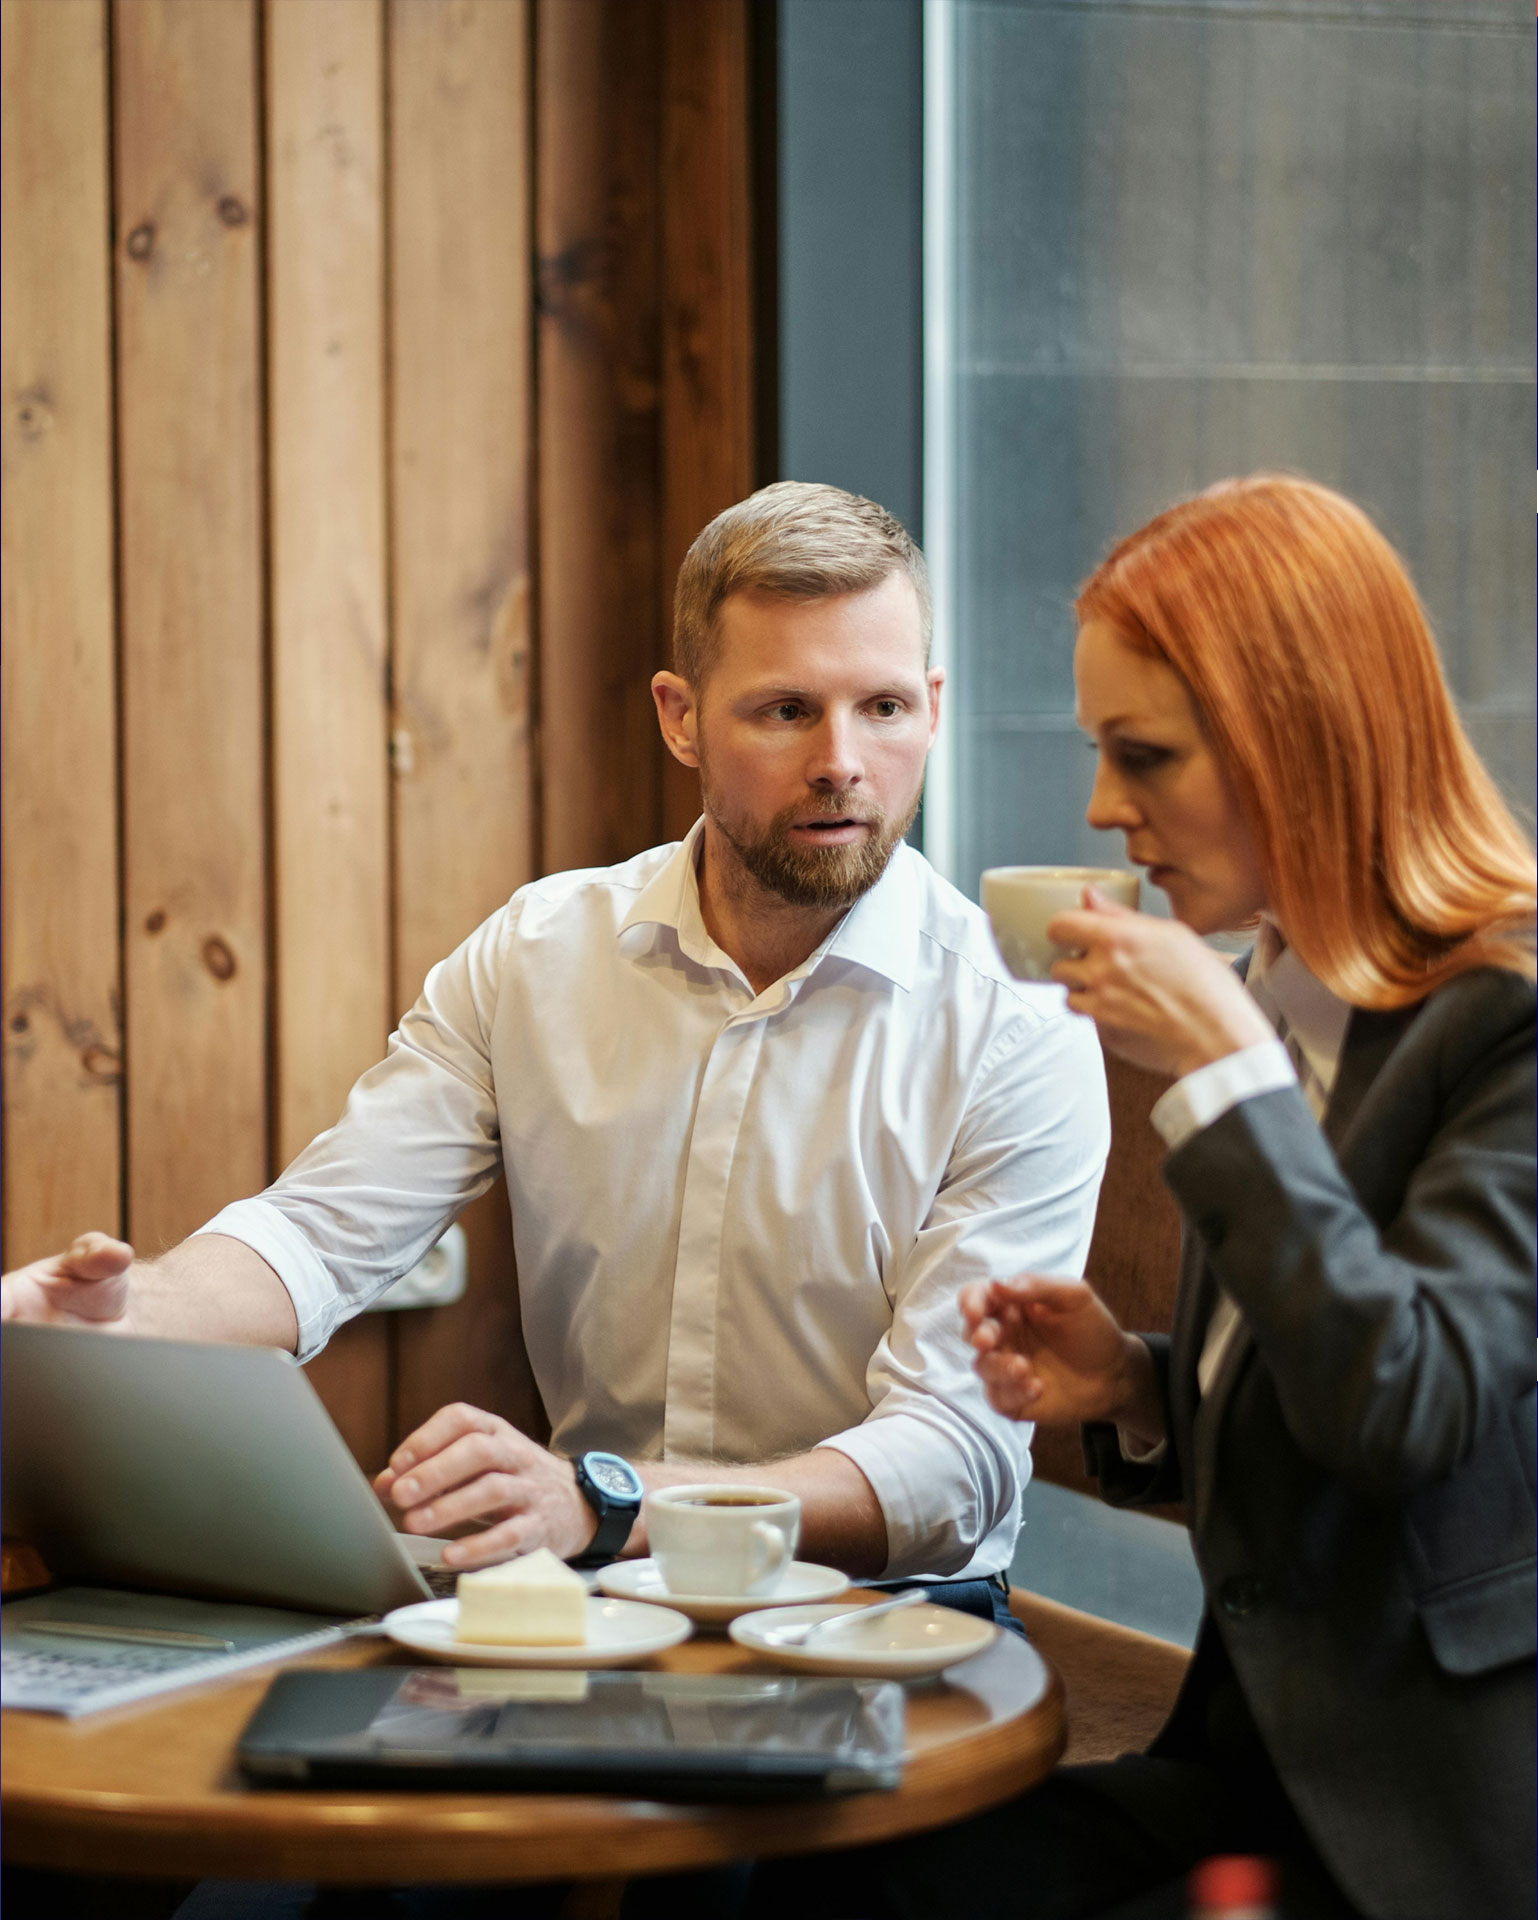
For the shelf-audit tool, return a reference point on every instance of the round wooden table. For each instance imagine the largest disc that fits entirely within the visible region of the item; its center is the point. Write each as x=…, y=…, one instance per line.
x=153, y=1790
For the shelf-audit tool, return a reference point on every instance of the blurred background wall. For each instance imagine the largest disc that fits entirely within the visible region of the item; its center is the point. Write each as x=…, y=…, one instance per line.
x=368, y=366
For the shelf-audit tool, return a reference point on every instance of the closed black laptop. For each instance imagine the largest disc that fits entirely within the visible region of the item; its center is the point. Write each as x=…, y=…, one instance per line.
x=667, y=1736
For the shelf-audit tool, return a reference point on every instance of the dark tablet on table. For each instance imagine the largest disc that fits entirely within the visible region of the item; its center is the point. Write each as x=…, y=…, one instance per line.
x=663, y=1736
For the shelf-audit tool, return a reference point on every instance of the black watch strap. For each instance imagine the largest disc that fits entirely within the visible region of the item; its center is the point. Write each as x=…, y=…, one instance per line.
x=612, y=1488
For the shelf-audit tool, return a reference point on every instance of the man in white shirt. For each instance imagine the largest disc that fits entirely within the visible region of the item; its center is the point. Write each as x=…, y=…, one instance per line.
x=764, y=1100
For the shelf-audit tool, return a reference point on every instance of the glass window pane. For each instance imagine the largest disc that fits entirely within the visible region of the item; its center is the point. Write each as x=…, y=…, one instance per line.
x=1202, y=238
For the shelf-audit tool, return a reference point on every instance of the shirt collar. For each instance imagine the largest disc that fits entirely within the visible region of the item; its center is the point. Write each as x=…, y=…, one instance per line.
x=879, y=932
x=1316, y=1017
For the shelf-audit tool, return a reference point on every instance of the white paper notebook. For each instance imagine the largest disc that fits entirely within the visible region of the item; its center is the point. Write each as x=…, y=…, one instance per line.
x=80, y=1649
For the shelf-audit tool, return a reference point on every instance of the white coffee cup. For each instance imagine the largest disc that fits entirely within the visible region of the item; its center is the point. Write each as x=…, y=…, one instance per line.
x=1021, y=901
x=723, y=1540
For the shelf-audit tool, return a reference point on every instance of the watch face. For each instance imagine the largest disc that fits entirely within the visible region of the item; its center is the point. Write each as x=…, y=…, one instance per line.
x=612, y=1476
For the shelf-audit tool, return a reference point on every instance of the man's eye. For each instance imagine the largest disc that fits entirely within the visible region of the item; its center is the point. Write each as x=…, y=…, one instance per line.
x=886, y=709
x=787, y=710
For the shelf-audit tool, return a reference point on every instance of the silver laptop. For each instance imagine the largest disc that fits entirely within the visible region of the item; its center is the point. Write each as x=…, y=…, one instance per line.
x=185, y=1468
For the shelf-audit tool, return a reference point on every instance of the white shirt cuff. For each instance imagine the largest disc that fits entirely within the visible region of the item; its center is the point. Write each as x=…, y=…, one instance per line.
x=1197, y=1100
x=269, y=1232
x=934, y=1525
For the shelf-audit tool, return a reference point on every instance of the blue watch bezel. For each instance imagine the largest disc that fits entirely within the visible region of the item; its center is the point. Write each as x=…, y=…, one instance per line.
x=616, y=1516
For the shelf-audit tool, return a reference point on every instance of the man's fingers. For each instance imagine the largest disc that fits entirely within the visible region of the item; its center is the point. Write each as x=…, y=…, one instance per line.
x=502, y=1542
x=94, y=1256
x=499, y=1495
x=445, y=1426
x=457, y=1464
x=100, y=1300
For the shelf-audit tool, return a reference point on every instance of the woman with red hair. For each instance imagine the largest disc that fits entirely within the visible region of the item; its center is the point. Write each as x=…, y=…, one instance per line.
x=1346, y=1401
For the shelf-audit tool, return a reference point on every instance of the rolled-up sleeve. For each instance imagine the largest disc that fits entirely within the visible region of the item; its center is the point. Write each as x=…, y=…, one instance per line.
x=1018, y=1194
x=417, y=1142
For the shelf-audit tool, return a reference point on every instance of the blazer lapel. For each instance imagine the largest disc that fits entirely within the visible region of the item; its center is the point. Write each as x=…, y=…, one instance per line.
x=1195, y=1300
x=1370, y=1039
x=1209, y=1416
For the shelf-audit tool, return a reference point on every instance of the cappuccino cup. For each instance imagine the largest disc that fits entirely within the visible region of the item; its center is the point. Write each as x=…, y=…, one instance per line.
x=1021, y=901
x=724, y=1541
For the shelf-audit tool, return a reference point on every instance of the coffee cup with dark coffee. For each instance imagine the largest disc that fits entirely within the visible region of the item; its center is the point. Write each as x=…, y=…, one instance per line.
x=723, y=1540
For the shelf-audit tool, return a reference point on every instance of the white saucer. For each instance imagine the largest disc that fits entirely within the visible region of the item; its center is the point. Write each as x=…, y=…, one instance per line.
x=618, y=1631
x=800, y=1583
x=898, y=1646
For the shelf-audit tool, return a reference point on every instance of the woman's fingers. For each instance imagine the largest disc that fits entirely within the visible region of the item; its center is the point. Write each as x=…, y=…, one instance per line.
x=1097, y=899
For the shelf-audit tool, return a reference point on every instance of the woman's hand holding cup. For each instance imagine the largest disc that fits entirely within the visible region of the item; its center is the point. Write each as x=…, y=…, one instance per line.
x=1158, y=994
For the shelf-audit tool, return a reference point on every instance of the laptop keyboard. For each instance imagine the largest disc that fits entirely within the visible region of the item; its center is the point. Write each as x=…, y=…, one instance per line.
x=444, y=1581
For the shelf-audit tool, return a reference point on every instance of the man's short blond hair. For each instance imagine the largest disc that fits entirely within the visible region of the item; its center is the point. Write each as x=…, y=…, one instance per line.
x=794, y=540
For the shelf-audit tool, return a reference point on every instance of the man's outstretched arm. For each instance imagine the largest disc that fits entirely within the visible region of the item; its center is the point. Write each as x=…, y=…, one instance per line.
x=208, y=1288
x=468, y=1467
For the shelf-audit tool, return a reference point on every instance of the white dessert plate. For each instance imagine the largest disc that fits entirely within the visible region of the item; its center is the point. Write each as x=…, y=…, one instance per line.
x=801, y=1583
x=898, y=1646
x=618, y=1631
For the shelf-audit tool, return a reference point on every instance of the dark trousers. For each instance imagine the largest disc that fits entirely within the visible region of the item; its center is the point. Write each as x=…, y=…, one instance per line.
x=1112, y=1841
x=1106, y=1842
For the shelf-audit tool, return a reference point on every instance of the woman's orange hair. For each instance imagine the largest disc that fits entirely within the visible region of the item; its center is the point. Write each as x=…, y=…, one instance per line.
x=1392, y=863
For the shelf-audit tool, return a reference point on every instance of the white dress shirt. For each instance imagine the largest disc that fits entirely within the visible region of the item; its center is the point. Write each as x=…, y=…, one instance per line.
x=740, y=1220
x=1311, y=1024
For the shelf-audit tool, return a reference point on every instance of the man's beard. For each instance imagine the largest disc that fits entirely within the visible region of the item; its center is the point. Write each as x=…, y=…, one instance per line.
x=829, y=877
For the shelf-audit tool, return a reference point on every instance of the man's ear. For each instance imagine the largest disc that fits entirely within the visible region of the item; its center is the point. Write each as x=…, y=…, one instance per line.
x=934, y=679
x=678, y=716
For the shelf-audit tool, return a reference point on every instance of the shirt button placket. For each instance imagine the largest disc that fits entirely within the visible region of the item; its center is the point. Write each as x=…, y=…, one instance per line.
x=689, y=1418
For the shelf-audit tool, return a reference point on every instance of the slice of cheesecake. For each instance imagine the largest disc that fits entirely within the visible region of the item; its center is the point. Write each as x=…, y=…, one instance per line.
x=534, y=1601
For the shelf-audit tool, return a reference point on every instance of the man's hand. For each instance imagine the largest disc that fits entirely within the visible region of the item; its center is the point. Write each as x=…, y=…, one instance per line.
x=1159, y=996
x=208, y=1288
x=89, y=1286
x=463, y=1467
x=1052, y=1351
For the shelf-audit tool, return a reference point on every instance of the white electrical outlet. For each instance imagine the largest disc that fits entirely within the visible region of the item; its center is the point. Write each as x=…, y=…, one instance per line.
x=437, y=1279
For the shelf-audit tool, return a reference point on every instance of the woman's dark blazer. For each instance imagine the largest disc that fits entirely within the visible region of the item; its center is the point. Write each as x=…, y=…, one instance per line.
x=1360, y=1479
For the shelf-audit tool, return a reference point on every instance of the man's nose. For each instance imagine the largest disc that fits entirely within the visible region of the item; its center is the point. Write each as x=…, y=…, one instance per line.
x=835, y=761
x=1110, y=805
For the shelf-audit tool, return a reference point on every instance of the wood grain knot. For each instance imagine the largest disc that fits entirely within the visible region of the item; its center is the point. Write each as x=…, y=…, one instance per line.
x=218, y=959
x=141, y=242
x=232, y=211
x=34, y=415
x=155, y=922
x=101, y=1063
x=19, y=1023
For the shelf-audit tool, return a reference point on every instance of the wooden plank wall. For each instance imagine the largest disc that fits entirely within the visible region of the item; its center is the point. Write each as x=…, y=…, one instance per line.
x=58, y=702
x=368, y=365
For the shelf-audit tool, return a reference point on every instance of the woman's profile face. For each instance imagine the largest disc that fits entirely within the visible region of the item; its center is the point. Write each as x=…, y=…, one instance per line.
x=1159, y=781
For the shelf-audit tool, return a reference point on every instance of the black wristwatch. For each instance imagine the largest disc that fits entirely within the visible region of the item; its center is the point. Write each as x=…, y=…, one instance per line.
x=612, y=1488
